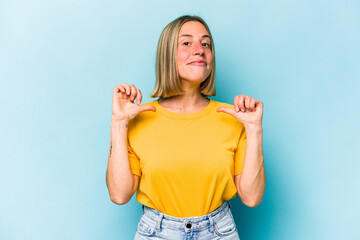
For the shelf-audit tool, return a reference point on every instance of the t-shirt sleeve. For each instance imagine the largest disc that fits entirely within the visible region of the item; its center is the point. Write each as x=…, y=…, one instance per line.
x=134, y=161
x=240, y=153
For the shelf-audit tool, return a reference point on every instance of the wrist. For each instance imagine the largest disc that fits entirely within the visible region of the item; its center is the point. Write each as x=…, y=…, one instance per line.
x=119, y=123
x=253, y=129
x=119, y=120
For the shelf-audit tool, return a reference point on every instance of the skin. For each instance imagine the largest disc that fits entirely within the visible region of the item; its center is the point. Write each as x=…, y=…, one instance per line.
x=120, y=180
x=194, y=59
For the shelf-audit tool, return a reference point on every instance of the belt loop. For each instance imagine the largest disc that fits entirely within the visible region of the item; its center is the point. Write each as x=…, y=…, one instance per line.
x=212, y=225
x=229, y=204
x=143, y=207
x=158, y=224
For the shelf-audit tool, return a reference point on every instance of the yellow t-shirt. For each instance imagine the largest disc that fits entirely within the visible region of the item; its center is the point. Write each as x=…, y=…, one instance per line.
x=186, y=162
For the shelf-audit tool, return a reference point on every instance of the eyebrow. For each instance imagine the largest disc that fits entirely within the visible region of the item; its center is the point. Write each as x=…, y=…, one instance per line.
x=189, y=35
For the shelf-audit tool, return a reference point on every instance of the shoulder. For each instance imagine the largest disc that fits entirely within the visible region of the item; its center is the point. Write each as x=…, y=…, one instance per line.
x=223, y=104
x=219, y=104
x=225, y=118
x=153, y=103
x=143, y=116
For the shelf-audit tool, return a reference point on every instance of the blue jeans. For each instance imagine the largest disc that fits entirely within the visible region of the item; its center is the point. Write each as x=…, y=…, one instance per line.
x=218, y=224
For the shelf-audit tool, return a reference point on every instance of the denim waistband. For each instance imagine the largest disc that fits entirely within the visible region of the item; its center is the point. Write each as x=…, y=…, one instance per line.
x=189, y=223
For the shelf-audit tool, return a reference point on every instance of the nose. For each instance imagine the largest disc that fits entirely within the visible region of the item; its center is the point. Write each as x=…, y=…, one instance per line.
x=198, y=49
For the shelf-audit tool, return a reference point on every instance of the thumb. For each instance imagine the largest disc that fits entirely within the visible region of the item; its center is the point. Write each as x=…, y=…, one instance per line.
x=227, y=110
x=147, y=108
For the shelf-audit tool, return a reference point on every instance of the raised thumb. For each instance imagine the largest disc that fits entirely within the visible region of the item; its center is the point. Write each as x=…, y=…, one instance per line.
x=227, y=110
x=147, y=108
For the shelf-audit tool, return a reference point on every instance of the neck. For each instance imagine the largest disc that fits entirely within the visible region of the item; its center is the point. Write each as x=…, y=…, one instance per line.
x=190, y=101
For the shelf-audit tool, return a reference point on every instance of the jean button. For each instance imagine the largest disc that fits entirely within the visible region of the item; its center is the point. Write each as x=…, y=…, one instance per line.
x=188, y=225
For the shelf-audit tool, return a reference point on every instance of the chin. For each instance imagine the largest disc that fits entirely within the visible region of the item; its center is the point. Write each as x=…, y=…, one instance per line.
x=194, y=80
x=196, y=77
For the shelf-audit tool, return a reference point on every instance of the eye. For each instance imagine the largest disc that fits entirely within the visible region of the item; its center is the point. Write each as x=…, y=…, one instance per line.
x=186, y=43
x=206, y=44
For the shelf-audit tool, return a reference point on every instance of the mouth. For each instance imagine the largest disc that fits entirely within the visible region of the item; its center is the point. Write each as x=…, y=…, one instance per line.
x=197, y=63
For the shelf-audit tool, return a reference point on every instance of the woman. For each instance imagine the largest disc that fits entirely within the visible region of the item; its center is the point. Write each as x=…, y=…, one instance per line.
x=185, y=154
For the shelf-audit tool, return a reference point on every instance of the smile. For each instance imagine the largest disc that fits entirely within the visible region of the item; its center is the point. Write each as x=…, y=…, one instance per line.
x=198, y=63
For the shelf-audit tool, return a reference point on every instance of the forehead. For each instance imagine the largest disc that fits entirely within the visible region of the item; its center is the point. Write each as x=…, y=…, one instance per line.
x=193, y=28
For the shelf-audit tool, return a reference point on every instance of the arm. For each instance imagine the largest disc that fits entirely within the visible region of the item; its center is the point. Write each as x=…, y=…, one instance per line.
x=250, y=184
x=120, y=180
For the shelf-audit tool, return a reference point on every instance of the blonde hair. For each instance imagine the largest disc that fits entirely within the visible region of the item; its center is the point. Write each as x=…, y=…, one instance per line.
x=167, y=76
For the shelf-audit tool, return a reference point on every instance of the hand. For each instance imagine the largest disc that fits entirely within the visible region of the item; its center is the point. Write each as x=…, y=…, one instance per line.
x=248, y=110
x=123, y=106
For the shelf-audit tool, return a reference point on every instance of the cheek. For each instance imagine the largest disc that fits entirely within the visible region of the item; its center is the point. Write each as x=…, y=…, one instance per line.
x=209, y=56
x=181, y=60
x=181, y=56
x=209, y=59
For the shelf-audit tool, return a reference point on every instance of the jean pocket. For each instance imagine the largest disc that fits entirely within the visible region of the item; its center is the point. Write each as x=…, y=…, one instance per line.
x=146, y=227
x=225, y=225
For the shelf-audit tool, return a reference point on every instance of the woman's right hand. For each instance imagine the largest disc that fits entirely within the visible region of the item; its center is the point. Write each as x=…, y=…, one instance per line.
x=123, y=102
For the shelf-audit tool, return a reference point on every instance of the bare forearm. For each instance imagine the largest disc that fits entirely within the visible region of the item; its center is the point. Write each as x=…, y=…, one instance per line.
x=119, y=177
x=252, y=181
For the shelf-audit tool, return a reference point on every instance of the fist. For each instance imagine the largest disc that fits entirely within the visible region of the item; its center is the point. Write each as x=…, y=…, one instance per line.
x=123, y=105
x=247, y=110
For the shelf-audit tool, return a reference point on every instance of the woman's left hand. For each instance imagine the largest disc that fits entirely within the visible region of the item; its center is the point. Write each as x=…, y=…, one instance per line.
x=248, y=110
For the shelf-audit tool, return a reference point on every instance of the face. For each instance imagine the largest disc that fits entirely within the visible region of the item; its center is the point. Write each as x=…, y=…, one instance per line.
x=194, y=54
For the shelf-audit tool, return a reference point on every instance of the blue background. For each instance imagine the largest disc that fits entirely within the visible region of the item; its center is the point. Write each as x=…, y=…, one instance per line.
x=59, y=62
